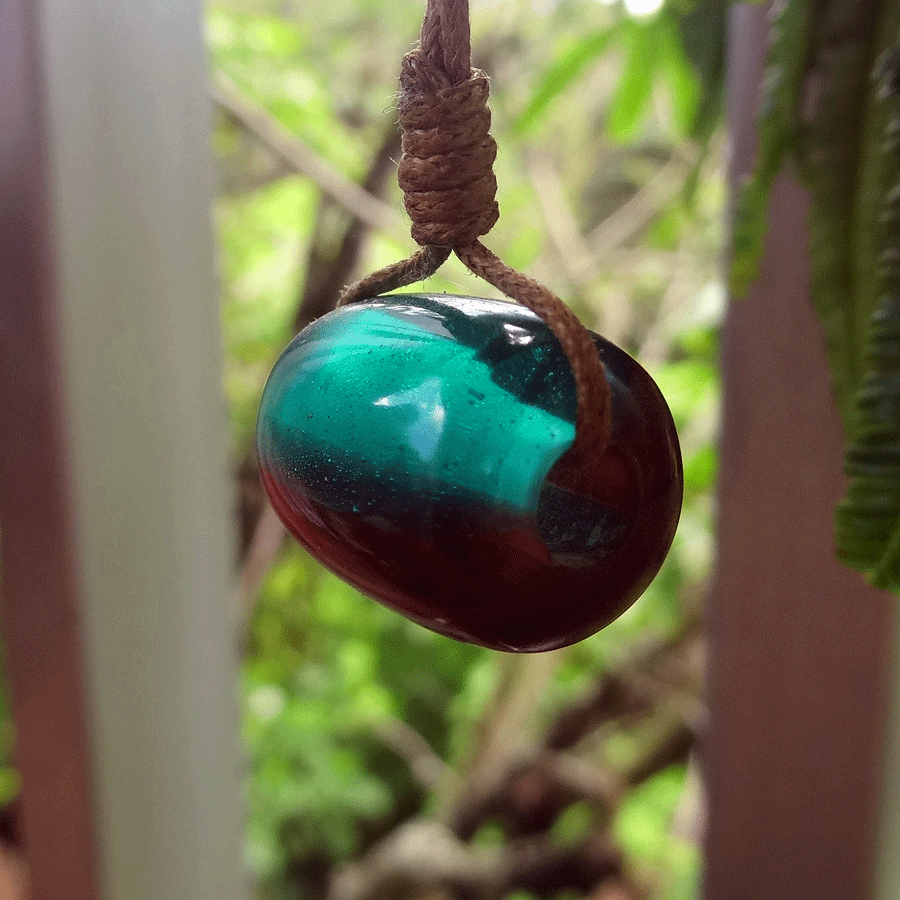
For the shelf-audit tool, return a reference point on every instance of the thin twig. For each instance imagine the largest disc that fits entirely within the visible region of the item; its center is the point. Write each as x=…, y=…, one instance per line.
x=426, y=766
x=572, y=252
x=422, y=858
x=330, y=262
x=303, y=159
x=263, y=549
x=638, y=212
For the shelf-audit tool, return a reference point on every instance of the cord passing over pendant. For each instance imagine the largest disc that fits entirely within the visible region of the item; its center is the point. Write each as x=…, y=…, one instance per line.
x=493, y=471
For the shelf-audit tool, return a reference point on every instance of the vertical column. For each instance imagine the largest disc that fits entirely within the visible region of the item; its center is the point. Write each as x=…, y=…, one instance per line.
x=133, y=320
x=40, y=585
x=799, y=656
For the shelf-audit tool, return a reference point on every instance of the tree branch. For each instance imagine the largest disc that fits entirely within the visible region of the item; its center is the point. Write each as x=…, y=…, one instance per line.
x=425, y=765
x=331, y=261
x=421, y=858
x=301, y=158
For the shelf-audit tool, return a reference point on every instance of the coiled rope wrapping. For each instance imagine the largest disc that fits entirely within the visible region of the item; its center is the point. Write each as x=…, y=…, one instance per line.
x=446, y=175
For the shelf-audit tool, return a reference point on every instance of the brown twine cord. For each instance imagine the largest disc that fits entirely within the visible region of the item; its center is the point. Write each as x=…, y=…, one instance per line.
x=446, y=174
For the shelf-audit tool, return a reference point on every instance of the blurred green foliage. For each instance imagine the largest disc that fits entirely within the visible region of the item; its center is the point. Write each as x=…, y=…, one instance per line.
x=610, y=192
x=323, y=668
x=606, y=124
x=644, y=826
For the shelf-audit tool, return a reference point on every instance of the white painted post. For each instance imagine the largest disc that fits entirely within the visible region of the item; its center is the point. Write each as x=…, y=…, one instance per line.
x=128, y=133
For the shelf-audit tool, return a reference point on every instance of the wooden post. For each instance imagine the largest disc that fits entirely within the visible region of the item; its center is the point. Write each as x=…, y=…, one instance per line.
x=800, y=646
x=41, y=588
x=114, y=484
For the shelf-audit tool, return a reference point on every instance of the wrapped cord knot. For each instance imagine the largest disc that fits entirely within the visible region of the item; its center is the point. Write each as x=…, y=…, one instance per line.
x=446, y=172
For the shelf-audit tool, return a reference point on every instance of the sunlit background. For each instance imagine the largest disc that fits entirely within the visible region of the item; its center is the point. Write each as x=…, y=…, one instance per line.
x=363, y=732
x=382, y=760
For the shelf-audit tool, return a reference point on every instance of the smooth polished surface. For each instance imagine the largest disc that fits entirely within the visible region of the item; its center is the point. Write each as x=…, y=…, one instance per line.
x=409, y=444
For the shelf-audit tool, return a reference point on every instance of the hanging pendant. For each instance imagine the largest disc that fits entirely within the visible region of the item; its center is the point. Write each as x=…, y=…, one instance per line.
x=410, y=444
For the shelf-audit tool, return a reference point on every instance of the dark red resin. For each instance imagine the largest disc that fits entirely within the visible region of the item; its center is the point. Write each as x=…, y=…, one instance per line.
x=501, y=587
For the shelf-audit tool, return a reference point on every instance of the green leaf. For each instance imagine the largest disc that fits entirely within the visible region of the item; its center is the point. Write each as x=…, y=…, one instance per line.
x=643, y=826
x=702, y=31
x=700, y=470
x=868, y=519
x=683, y=85
x=564, y=71
x=748, y=233
x=632, y=97
x=855, y=233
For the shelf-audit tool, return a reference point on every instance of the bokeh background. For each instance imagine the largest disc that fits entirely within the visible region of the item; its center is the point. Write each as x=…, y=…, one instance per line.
x=381, y=757
x=381, y=760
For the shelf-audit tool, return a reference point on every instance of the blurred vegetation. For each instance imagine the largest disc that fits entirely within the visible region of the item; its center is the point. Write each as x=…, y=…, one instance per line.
x=844, y=150
x=611, y=192
x=560, y=775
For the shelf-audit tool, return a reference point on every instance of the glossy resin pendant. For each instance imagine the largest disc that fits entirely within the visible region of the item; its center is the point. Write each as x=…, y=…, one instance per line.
x=408, y=443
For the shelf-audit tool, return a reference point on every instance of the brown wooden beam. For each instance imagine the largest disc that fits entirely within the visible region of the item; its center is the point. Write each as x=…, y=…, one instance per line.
x=799, y=656
x=39, y=588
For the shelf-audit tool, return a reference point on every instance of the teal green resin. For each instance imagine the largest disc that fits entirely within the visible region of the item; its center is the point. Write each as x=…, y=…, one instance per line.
x=429, y=407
